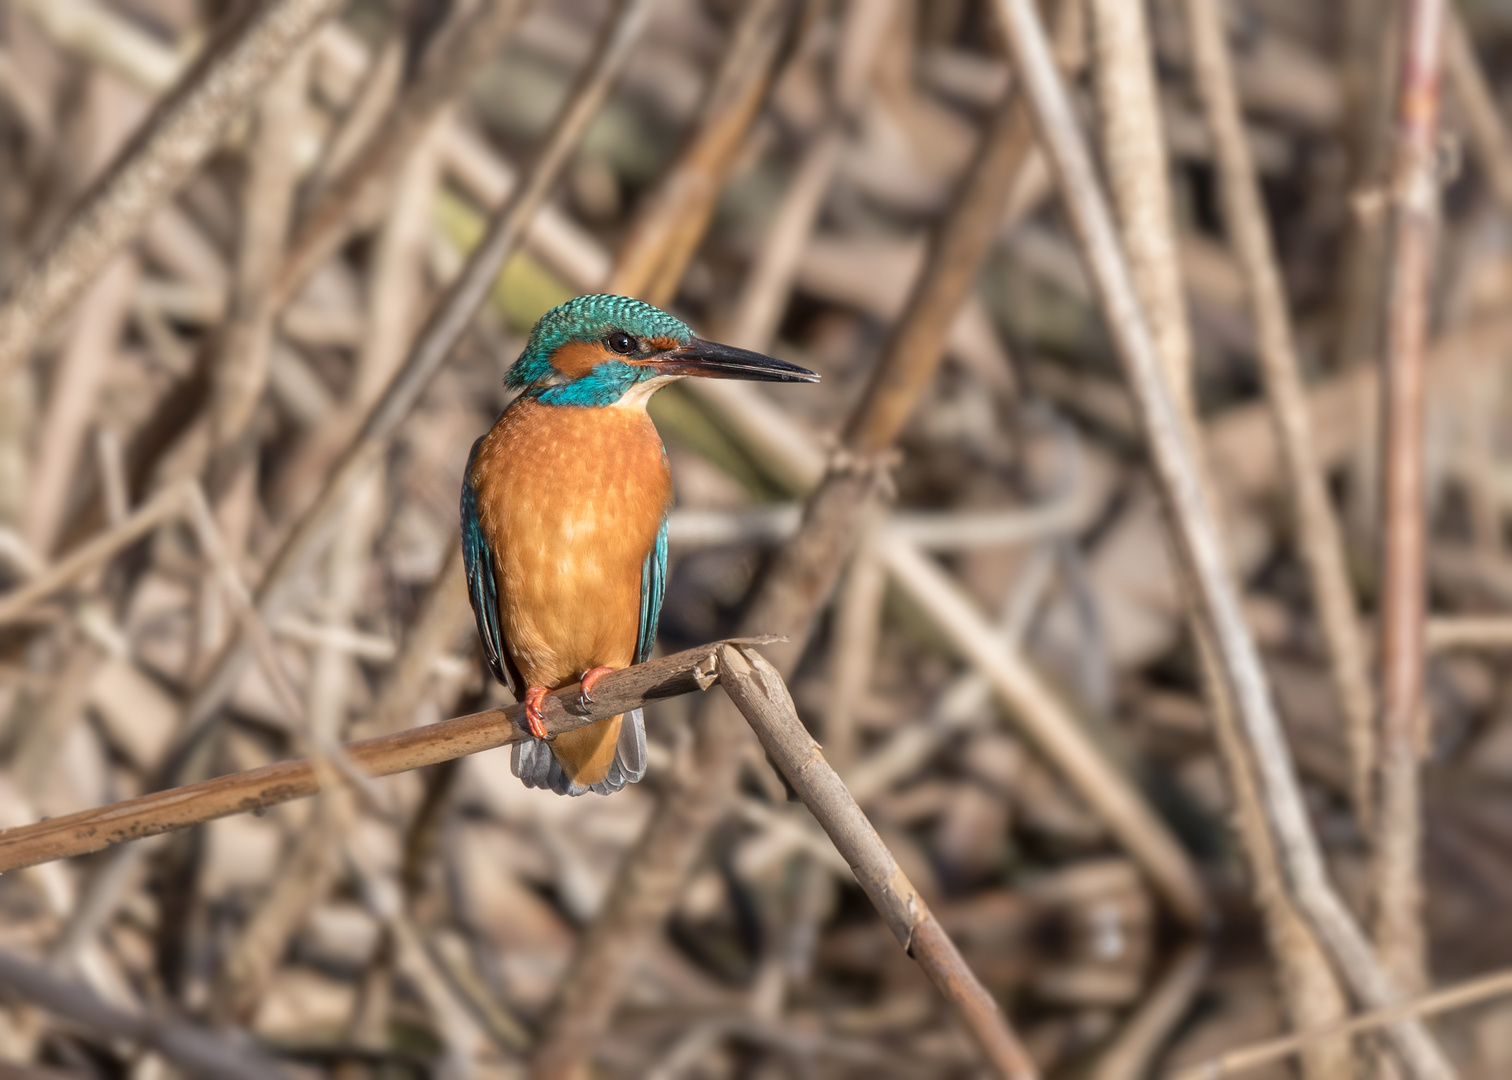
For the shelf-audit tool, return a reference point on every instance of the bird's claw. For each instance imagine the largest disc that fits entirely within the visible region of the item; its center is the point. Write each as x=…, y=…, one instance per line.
x=533, y=697
x=588, y=682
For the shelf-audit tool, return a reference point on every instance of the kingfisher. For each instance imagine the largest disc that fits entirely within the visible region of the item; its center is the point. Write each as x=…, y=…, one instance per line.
x=564, y=521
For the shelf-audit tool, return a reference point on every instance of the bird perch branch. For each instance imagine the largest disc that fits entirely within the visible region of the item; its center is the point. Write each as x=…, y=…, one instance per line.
x=759, y=693
x=176, y=808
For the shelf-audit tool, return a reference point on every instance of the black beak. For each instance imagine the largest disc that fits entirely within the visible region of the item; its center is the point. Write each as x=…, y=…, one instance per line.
x=712, y=360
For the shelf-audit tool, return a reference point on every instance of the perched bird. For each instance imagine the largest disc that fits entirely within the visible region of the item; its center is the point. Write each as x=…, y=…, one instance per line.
x=564, y=520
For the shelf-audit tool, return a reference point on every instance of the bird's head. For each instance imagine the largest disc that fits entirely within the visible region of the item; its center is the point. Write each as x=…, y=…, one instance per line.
x=601, y=350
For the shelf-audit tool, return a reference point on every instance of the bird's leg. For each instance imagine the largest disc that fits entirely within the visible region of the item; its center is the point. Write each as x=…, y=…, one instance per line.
x=589, y=681
x=534, y=695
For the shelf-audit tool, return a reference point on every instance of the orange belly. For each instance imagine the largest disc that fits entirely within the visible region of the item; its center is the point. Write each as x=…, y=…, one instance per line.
x=571, y=500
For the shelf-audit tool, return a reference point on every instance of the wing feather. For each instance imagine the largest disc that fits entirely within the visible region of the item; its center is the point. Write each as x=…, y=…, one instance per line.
x=483, y=583
x=653, y=590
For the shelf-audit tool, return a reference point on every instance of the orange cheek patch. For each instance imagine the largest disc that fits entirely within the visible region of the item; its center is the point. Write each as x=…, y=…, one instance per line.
x=663, y=344
x=580, y=357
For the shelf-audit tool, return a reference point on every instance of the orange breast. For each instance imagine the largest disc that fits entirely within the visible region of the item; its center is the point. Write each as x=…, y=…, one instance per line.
x=571, y=500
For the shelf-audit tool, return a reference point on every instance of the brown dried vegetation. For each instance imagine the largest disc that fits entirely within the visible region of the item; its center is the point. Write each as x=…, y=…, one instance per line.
x=1160, y=707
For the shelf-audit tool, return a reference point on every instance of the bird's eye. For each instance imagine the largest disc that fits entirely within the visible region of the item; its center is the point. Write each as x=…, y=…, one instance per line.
x=620, y=342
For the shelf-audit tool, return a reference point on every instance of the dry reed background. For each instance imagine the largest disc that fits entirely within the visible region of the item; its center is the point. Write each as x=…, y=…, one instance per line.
x=1100, y=592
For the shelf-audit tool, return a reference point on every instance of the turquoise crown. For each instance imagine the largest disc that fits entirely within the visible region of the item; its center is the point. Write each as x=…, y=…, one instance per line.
x=590, y=318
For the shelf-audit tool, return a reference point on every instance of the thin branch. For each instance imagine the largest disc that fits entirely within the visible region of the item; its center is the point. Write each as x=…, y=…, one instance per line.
x=256, y=789
x=1413, y=195
x=758, y=691
x=1217, y=601
x=176, y=139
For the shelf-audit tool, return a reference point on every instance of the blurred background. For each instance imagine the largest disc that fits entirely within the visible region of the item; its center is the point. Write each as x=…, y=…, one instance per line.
x=237, y=340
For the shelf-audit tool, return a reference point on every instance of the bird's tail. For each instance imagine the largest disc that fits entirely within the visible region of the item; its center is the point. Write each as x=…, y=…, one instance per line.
x=538, y=765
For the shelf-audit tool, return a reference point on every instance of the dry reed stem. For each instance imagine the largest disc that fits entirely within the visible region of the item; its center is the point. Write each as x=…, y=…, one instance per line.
x=1053, y=729
x=71, y=408
x=310, y=867
x=1470, y=992
x=444, y=617
x=468, y=43
x=1217, y=602
x=1134, y=151
x=1468, y=632
x=166, y=504
x=1471, y=90
x=957, y=248
x=962, y=701
x=175, y=140
x=1157, y=1016
x=853, y=649
x=1133, y=138
x=430, y=349
x=1317, y=527
x=239, y=371
x=561, y=244
x=395, y=304
x=119, y=44
x=460, y=1033
x=669, y=225
x=396, y=292
x=1368, y=29
x=759, y=693
x=306, y=872
x=764, y=296
x=371, y=102
x=1413, y=199
x=256, y=789
x=1311, y=993
x=195, y=1050
x=1319, y=534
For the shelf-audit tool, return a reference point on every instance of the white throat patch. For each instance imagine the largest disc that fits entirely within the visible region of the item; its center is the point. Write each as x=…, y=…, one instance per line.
x=637, y=396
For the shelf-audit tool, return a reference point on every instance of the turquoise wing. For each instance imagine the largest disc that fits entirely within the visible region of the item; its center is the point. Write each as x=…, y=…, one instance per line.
x=483, y=583
x=653, y=589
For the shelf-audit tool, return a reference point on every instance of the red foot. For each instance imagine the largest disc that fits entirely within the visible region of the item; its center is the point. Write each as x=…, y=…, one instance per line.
x=534, y=695
x=589, y=681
